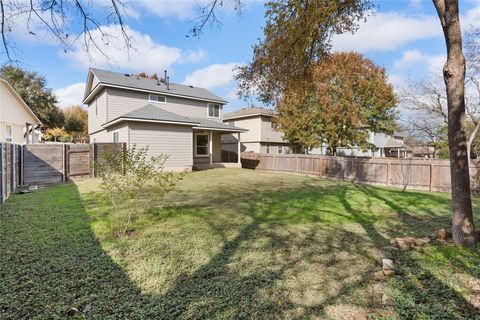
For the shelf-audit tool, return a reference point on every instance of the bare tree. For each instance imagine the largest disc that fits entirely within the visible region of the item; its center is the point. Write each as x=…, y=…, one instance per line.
x=463, y=229
x=67, y=21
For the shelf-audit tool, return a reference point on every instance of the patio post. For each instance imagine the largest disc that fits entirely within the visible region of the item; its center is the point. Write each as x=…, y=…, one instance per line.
x=238, y=148
x=210, y=147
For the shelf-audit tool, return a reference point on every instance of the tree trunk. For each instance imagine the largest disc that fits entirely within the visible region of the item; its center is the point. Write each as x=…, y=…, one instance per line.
x=463, y=229
x=470, y=140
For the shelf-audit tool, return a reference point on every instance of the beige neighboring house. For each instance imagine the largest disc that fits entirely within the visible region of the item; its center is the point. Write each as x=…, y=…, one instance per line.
x=181, y=121
x=17, y=120
x=262, y=135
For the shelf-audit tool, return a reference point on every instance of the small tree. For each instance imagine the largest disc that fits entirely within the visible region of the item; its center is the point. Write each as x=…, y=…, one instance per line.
x=133, y=182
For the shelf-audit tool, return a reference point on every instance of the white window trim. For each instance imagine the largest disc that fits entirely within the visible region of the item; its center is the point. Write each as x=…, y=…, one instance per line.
x=208, y=143
x=220, y=109
x=113, y=136
x=280, y=150
x=158, y=95
x=11, y=132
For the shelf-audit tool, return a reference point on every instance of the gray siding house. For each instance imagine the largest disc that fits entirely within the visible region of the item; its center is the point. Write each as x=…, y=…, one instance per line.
x=182, y=121
x=262, y=135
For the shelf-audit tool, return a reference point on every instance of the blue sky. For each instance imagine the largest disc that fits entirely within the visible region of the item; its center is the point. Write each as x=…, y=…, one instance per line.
x=403, y=36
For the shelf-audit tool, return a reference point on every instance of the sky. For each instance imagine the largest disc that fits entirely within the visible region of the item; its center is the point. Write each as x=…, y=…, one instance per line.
x=404, y=36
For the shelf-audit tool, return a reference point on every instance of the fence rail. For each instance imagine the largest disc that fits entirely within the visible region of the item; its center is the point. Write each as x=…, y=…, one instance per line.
x=419, y=174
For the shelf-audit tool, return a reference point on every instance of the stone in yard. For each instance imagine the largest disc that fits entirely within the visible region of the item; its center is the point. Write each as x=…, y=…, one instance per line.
x=387, y=264
x=401, y=244
x=388, y=273
x=442, y=235
x=72, y=311
x=383, y=254
x=422, y=241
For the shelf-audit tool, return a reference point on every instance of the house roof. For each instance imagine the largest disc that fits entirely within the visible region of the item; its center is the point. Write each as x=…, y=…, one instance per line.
x=249, y=112
x=20, y=100
x=151, y=113
x=130, y=81
x=392, y=143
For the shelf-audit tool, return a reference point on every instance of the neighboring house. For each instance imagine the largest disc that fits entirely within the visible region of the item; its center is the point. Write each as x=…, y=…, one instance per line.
x=181, y=121
x=262, y=135
x=384, y=146
x=17, y=121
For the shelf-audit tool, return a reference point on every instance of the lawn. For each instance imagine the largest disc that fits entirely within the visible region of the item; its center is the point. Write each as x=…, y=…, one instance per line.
x=232, y=244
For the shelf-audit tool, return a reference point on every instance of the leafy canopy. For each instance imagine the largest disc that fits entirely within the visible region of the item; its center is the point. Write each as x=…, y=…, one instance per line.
x=297, y=36
x=32, y=88
x=349, y=94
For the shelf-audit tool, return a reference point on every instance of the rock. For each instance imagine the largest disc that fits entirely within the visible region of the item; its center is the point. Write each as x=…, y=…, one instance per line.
x=72, y=311
x=33, y=187
x=388, y=273
x=386, y=300
x=401, y=244
x=24, y=191
x=87, y=308
x=387, y=264
x=442, y=235
x=422, y=241
x=383, y=254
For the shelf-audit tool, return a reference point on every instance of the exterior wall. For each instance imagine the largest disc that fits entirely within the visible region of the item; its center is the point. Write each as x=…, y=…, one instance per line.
x=95, y=121
x=268, y=133
x=14, y=114
x=274, y=148
x=121, y=101
x=173, y=140
x=253, y=125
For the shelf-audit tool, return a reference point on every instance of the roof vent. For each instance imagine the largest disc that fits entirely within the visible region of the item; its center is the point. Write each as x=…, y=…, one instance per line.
x=127, y=75
x=190, y=86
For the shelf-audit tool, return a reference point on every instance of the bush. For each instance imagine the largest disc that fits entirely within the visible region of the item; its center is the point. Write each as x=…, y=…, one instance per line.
x=133, y=183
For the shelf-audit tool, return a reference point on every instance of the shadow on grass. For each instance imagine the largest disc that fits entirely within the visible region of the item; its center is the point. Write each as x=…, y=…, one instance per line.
x=52, y=260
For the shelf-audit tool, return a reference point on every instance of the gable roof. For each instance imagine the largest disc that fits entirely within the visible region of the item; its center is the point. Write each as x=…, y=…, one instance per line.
x=151, y=113
x=134, y=82
x=20, y=100
x=249, y=112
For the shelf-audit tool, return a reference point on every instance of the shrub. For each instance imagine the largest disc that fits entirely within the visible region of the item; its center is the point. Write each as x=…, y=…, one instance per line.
x=133, y=182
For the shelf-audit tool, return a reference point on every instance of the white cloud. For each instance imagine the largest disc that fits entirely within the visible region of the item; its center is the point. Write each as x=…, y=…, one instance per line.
x=70, y=95
x=213, y=76
x=388, y=31
x=432, y=65
x=144, y=55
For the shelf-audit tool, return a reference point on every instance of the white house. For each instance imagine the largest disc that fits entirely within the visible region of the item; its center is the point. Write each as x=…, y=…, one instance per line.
x=17, y=120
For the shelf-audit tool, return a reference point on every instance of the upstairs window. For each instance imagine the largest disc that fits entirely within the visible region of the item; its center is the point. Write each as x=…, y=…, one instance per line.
x=157, y=98
x=280, y=149
x=214, y=110
x=116, y=138
x=8, y=133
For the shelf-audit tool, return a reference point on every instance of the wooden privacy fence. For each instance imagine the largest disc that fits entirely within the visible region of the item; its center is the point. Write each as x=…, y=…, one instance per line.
x=419, y=174
x=10, y=169
x=47, y=163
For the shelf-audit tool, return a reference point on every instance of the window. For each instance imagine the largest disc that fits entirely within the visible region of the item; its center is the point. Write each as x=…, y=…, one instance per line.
x=157, y=98
x=201, y=144
x=116, y=137
x=268, y=148
x=94, y=140
x=8, y=133
x=273, y=124
x=280, y=149
x=214, y=110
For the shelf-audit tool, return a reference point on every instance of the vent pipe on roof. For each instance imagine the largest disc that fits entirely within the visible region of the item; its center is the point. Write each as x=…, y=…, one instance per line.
x=168, y=83
x=165, y=76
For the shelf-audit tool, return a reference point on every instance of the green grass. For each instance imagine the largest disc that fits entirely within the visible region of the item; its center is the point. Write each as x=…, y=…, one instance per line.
x=232, y=244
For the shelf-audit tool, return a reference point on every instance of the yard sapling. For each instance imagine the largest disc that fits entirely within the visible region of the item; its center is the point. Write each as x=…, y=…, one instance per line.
x=133, y=182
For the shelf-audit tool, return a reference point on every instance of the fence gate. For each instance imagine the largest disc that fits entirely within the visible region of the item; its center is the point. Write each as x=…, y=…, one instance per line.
x=77, y=160
x=43, y=163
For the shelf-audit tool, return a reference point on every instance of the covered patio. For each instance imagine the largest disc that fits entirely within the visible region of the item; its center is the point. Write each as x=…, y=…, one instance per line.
x=207, y=151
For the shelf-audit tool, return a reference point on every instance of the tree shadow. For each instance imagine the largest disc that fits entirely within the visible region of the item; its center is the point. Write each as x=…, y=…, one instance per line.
x=288, y=258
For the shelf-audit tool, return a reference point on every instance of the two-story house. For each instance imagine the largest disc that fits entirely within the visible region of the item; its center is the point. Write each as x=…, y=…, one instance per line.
x=17, y=120
x=181, y=121
x=262, y=135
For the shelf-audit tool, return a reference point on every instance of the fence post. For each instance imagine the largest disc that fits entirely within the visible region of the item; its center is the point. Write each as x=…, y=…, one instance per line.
x=388, y=173
x=2, y=200
x=22, y=164
x=431, y=176
x=64, y=170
